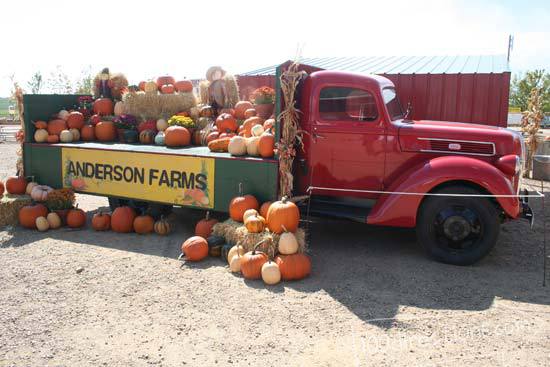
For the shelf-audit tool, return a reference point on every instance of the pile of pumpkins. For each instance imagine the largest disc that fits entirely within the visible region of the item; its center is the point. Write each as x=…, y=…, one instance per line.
x=70, y=126
x=166, y=85
x=253, y=137
x=282, y=218
x=124, y=219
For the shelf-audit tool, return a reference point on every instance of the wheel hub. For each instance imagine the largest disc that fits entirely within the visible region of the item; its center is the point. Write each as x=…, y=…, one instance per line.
x=456, y=228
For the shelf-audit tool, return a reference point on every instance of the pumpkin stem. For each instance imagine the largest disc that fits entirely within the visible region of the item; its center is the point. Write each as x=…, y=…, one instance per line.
x=284, y=199
x=207, y=217
x=284, y=228
x=240, y=189
x=258, y=244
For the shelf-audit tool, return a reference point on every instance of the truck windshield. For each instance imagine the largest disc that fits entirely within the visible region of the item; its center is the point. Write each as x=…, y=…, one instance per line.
x=392, y=104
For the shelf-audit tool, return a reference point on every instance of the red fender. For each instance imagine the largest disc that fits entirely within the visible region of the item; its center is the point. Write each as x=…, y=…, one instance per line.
x=400, y=210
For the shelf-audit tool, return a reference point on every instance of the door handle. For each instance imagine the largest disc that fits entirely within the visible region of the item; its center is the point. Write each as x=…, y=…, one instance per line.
x=318, y=136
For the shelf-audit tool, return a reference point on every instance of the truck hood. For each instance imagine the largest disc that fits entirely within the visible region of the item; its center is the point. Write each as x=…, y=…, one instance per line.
x=457, y=138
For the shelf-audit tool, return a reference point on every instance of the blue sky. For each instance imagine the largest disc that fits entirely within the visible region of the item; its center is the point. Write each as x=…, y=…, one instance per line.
x=184, y=38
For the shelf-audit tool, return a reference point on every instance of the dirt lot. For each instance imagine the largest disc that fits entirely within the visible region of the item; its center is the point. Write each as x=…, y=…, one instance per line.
x=373, y=299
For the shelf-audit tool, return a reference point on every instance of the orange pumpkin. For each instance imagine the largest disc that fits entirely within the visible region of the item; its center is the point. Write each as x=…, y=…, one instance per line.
x=167, y=89
x=103, y=106
x=87, y=133
x=219, y=145
x=76, y=218
x=162, y=80
x=41, y=124
x=55, y=127
x=16, y=185
x=241, y=107
x=122, y=219
x=28, y=214
x=52, y=139
x=249, y=123
x=101, y=221
x=212, y=136
x=177, y=136
x=105, y=131
x=225, y=122
x=266, y=145
x=240, y=204
x=195, y=248
x=294, y=267
x=184, y=86
x=1, y=188
x=142, y=86
x=254, y=224
x=251, y=264
x=204, y=226
x=75, y=120
x=283, y=215
x=264, y=208
x=144, y=224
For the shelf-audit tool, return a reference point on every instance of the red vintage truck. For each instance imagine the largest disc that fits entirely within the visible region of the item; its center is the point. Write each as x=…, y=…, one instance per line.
x=362, y=159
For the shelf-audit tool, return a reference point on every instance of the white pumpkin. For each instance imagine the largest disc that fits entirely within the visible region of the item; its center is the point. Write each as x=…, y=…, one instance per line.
x=119, y=108
x=30, y=186
x=252, y=145
x=151, y=87
x=63, y=115
x=237, y=145
x=250, y=213
x=76, y=134
x=288, y=244
x=53, y=220
x=257, y=130
x=162, y=125
x=235, y=264
x=66, y=136
x=41, y=135
x=42, y=224
x=271, y=274
x=40, y=192
x=159, y=138
x=235, y=250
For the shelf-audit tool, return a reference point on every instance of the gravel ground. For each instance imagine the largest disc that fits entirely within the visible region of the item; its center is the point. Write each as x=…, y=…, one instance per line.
x=373, y=299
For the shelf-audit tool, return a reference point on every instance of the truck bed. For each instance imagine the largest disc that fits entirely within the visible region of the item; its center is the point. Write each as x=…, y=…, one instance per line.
x=58, y=165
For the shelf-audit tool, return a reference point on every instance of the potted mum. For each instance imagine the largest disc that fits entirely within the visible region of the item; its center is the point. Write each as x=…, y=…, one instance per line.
x=61, y=201
x=183, y=121
x=264, y=101
x=126, y=126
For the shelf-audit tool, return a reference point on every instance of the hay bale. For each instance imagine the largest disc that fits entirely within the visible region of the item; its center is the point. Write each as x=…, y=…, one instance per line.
x=9, y=208
x=151, y=106
x=236, y=232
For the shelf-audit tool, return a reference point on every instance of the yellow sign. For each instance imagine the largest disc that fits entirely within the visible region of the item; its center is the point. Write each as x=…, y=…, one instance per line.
x=179, y=180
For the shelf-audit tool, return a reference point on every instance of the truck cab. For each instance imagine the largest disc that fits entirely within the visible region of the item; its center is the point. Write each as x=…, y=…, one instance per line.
x=363, y=159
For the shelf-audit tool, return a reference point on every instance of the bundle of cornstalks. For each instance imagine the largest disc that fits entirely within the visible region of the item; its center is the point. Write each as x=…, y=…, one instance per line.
x=291, y=136
x=235, y=233
x=151, y=106
x=530, y=125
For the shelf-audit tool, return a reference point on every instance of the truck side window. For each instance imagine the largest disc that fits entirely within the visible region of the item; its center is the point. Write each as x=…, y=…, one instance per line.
x=347, y=104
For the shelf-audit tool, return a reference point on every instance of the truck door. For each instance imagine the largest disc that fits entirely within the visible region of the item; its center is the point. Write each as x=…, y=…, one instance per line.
x=348, y=141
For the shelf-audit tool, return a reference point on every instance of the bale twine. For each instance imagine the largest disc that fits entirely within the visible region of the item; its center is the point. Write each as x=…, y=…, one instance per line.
x=236, y=232
x=9, y=208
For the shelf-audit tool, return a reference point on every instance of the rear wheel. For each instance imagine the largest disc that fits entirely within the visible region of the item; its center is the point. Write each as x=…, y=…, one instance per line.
x=457, y=230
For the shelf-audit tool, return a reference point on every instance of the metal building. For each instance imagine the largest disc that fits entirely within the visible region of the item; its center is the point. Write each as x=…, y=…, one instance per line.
x=450, y=88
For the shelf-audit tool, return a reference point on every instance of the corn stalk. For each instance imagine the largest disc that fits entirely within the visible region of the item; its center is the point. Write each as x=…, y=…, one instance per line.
x=530, y=125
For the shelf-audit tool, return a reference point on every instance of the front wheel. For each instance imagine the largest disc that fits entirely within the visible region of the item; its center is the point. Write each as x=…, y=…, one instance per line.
x=457, y=230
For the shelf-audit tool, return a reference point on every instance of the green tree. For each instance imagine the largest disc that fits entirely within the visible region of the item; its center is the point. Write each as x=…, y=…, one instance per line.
x=84, y=85
x=523, y=84
x=35, y=84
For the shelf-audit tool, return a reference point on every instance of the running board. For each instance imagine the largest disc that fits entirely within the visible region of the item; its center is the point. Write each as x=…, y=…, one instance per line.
x=356, y=210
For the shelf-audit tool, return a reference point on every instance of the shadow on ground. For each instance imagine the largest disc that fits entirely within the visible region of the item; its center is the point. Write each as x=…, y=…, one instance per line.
x=373, y=271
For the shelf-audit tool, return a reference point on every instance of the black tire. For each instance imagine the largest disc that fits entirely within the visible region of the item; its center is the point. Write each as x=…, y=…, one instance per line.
x=457, y=230
x=153, y=209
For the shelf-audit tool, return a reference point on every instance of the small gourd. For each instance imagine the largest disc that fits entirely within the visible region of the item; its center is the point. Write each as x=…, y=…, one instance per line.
x=76, y=134
x=235, y=263
x=159, y=138
x=288, y=244
x=271, y=274
x=255, y=224
x=235, y=250
x=66, y=136
x=162, y=125
x=63, y=115
x=248, y=213
x=162, y=227
x=40, y=192
x=41, y=135
x=42, y=224
x=30, y=186
x=237, y=146
x=53, y=220
x=252, y=145
x=257, y=130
